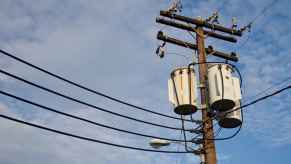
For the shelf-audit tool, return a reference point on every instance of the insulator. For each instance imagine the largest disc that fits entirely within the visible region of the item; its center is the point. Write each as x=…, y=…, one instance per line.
x=234, y=23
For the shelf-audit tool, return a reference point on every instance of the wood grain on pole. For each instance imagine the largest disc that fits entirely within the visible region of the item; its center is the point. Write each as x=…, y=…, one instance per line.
x=208, y=145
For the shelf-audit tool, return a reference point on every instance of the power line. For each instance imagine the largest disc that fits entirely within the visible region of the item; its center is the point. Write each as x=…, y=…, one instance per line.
x=249, y=104
x=85, y=103
x=263, y=11
x=83, y=119
x=227, y=138
x=90, y=139
x=244, y=43
x=271, y=87
x=84, y=87
x=222, y=5
x=217, y=133
x=260, y=99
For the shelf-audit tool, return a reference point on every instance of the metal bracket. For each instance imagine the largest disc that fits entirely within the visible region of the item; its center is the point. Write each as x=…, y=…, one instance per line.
x=202, y=106
x=201, y=85
x=197, y=141
x=196, y=131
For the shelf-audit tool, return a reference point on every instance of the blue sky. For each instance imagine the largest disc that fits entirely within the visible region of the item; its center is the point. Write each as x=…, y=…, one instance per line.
x=109, y=45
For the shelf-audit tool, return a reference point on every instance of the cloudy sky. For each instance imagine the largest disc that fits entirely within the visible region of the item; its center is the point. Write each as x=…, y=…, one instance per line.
x=109, y=45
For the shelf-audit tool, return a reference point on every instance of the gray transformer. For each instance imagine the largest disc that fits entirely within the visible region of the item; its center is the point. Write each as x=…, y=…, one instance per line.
x=224, y=89
x=232, y=119
x=182, y=91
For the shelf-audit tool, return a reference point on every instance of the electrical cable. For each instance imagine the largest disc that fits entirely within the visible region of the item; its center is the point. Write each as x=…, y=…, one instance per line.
x=220, y=139
x=87, y=104
x=178, y=146
x=242, y=107
x=269, y=88
x=263, y=11
x=84, y=87
x=244, y=43
x=226, y=138
x=84, y=119
x=221, y=7
x=178, y=103
x=233, y=135
x=185, y=138
x=260, y=99
x=179, y=54
x=247, y=105
x=184, y=134
x=90, y=139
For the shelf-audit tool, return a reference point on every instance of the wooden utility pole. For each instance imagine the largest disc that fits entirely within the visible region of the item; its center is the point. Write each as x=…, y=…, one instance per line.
x=208, y=149
x=208, y=145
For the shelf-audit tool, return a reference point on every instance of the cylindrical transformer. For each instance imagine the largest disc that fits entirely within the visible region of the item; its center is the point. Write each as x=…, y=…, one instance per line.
x=221, y=87
x=182, y=91
x=232, y=119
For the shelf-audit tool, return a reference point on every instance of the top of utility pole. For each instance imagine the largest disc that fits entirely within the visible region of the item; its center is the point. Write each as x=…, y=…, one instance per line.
x=201, y=23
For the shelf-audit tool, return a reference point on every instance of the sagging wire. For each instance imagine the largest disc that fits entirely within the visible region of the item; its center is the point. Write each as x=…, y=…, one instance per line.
x=178, y=103
x=269, y=88
x=90, y=139
x=83, y=119
x=180, y=55
x=182, y=119
x=246, y=105
x=249, y=25
x=76, y=84
x=85, y=103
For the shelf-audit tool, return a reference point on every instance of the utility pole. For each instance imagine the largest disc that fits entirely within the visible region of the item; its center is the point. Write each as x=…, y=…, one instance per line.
x=208, y=145
x=186, y=23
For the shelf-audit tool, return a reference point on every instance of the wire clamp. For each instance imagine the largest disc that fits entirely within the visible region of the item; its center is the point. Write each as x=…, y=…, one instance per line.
x=201, y=85
x=202, y=106
x=197, y=141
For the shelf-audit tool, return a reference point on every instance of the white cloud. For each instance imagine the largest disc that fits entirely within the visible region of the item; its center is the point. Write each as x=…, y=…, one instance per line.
x=109, y=45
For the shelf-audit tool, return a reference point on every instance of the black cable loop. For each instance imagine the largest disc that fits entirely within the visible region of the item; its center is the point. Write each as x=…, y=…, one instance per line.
x=184, y=134
x=222, y=83
x=182, y=120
